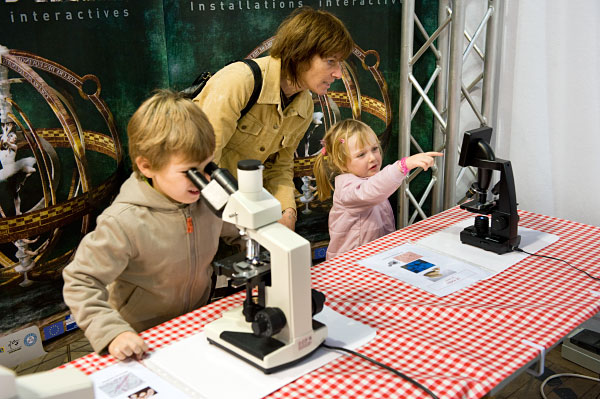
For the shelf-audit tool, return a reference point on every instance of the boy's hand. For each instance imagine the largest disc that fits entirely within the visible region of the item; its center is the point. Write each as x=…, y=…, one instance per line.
x=127, y=344
x=422, y=160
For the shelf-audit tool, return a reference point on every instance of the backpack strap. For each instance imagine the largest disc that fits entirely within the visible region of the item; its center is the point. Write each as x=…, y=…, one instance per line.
x=199, y=83
x=257, y=85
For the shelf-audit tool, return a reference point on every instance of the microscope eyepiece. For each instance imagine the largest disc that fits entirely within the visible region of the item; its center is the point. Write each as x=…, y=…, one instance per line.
x=215, y=192
x=210, y=168
x=222, y=176
x=249, y=164
x=197, y=178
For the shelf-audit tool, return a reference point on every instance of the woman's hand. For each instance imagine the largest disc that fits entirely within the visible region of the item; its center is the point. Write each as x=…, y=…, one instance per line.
x=127, y=344
x=288, y=218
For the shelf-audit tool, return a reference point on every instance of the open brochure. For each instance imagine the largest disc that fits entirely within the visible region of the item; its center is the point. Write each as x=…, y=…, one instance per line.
x=441, y=264
x=193, y=368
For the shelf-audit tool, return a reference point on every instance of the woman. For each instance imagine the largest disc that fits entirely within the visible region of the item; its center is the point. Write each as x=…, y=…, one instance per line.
x=306, y=57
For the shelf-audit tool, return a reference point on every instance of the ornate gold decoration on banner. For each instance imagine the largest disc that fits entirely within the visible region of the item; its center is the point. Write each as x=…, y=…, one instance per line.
x=29, y=235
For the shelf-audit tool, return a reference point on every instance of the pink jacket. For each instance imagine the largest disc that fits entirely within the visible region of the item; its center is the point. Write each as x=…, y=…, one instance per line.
x=361, y=212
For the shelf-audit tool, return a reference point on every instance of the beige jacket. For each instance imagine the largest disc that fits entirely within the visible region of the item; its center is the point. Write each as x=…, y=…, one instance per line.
x=140, y=266
x=266, y=132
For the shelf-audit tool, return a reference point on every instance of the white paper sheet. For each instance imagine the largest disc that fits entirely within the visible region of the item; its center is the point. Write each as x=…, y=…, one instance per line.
x=441, y=264
x=448, y=242
x=425, y=268
x=211, y=372
x=131, y=380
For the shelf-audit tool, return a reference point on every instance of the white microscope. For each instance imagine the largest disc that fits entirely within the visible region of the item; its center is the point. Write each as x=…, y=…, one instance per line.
x=274, y=328
x=66, y=383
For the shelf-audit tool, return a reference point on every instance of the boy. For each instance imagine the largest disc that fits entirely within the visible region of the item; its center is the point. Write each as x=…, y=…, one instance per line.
x=148, y=259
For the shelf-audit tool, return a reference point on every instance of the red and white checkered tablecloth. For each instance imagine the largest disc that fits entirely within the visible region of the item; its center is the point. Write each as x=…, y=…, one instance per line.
x=460, y=345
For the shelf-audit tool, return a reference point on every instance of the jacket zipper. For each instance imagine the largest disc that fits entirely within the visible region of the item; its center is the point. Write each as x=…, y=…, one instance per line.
x=191, y=236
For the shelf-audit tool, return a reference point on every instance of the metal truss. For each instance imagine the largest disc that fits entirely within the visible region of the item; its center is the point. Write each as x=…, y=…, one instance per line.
x=452, y=46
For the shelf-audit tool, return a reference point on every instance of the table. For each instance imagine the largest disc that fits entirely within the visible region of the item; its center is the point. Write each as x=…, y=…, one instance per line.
x=459, y=346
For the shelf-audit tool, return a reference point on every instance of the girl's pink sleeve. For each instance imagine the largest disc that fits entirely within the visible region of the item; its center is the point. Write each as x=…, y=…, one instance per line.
x=355, y=193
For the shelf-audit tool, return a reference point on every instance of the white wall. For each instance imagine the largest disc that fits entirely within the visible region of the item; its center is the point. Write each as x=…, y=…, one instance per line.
x=548, y=116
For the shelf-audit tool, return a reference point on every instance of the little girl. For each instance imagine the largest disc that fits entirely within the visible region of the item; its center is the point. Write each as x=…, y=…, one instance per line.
x=360, y=211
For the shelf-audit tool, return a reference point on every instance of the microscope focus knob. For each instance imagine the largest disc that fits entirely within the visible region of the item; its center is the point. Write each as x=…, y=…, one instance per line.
x=499, y=222
x=268, y=322
x=317, y=301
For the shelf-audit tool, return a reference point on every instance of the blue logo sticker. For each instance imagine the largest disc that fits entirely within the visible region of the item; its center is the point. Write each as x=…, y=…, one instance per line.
x=70, y=323
x=30, y=339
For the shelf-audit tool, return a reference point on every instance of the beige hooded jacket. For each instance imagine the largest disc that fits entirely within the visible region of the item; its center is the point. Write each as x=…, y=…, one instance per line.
x=142, y=265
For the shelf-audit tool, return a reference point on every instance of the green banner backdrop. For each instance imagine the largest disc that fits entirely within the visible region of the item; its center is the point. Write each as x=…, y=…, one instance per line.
x=74, y=73
x=131, y=48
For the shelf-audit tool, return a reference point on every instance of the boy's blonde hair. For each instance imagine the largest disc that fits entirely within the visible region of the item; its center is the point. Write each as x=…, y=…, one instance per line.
x=334, y=157
x=167, y=124
x=307, y=32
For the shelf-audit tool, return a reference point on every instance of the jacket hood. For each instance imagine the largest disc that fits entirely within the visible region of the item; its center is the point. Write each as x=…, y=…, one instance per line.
x=139, y=192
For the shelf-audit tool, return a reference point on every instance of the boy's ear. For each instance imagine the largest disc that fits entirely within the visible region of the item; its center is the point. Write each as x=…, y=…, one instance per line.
x=144, y=166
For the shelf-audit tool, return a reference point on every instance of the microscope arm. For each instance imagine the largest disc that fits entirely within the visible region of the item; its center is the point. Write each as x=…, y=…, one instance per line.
x=504, y=215
x=507, y=201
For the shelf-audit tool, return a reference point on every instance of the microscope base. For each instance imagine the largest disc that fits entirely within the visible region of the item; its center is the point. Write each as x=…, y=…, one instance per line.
x=233, y=334
x=492, y=243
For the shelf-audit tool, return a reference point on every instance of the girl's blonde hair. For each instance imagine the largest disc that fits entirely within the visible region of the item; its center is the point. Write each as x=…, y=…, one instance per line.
x=334, y=156
x=167, y=124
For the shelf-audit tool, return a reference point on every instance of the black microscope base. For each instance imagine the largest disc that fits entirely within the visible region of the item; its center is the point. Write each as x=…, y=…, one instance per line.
x=495, y=244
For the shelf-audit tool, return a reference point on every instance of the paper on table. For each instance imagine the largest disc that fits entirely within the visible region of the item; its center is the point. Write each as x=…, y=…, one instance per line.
x=425, y=268
x=128, y=379
x=448, y=242
x=441, y=264
x=211, y=372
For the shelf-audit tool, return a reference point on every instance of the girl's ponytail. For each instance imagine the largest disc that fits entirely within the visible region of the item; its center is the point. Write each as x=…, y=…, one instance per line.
x=321, y=172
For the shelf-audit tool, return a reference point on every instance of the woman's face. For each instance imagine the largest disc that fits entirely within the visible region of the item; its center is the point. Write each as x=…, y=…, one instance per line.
x=321, y=73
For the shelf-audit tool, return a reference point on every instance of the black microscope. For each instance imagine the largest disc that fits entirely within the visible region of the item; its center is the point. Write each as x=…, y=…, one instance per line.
x=501, y=237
